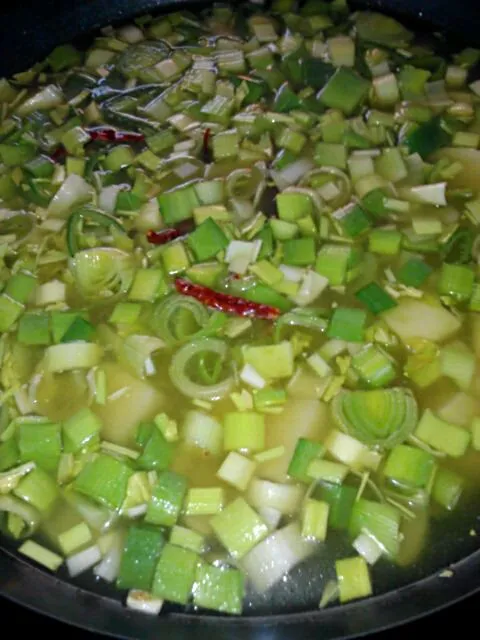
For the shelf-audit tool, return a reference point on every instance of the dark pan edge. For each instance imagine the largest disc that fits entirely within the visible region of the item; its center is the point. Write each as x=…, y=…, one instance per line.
x=46, y=594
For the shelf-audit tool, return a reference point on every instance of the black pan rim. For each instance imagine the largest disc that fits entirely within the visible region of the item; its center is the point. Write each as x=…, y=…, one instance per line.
x=34, y=588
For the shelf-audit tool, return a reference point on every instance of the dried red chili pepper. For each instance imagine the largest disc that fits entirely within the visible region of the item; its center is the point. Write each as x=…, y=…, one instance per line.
x=206, y=153
x=107, y=134
x=58, y=154
x=163, y=236
x=167, y=235
x=224, y=302
x=102, y=134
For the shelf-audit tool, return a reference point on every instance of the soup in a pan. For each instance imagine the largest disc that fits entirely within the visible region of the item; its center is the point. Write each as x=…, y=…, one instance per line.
x=240, y=305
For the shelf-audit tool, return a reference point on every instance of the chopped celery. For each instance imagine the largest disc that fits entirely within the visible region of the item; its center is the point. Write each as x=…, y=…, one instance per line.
x=40, y=443
x=333, y=262
x=178, y=205
x=141, y=552
x=347, y=324
x=239, y=528
x=207, y=240
x=375, y=298
x=315, y=519
x=447, y=488
x=82, y=430
x=34, y=329
x=204, y=501
x=441, y=435
x=414, y=272
x=75, y=538
x=105, y=480
x=305, y=451
x=457, y=281
x=236, y=470
x=374, y=366
x=175, y=574
x=353, y=579
x=219, y=589
x=341, y=499
x=40, y=554
x=345, y=90
x=410, y=466
x=38, y=489
x=292, y=206
x=167, y=499
x=187, y=538
x=299, y=252
x=381, y=521
x=244, y=430
x=157, y=452
x=271, y=361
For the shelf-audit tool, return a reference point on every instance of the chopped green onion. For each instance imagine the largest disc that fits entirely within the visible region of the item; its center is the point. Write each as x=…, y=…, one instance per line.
x=353, y=579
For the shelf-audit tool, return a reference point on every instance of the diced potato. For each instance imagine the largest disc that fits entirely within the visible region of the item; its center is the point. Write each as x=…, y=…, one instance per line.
x=124, y=410
x=300, y=419
x=418, y=319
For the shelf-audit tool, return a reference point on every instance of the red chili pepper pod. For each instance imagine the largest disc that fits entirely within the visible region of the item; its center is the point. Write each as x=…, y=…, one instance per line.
x=162, y=237
x=107, y=134
x=226, y=303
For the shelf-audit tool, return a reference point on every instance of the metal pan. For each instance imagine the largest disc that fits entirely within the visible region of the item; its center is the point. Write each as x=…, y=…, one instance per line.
x=28, y=31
